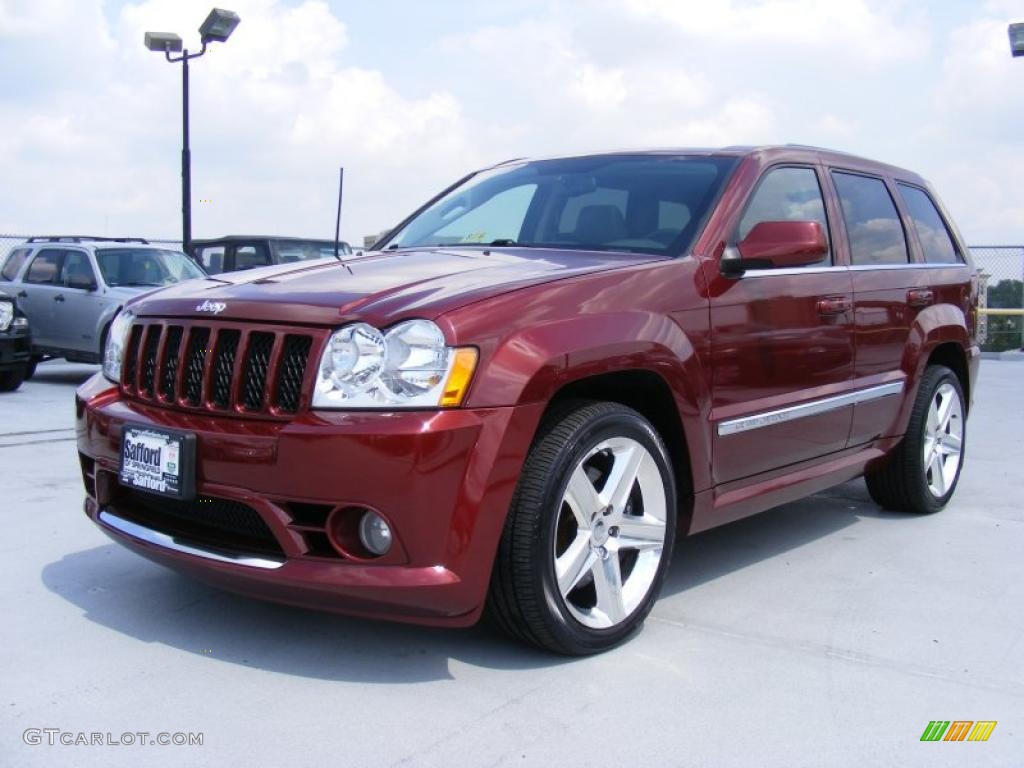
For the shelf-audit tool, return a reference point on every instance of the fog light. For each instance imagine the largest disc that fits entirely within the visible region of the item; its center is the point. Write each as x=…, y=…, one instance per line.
x=375, y=533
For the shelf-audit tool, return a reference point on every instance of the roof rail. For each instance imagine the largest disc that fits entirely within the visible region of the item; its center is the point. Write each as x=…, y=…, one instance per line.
x=84, y=238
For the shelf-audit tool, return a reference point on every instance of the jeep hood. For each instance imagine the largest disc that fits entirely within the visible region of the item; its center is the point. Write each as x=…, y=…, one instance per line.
x=377, y=287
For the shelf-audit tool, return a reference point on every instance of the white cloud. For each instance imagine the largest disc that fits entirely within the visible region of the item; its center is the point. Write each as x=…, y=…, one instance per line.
x=92, y=132
x=850, y=28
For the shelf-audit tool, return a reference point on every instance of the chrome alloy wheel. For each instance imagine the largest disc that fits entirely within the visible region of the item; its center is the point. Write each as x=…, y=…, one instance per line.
x=943, y=440
x=610, y=532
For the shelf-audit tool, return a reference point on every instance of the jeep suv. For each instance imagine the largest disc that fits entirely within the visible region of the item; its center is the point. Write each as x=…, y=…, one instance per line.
x=540, y=378
x=70, y=287
x=237, y=252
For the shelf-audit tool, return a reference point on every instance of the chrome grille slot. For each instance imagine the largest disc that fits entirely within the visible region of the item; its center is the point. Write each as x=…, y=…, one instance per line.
x=224, y=367
x=257, y=363
x=293, y=369
x=172, y=349
x=198, y=346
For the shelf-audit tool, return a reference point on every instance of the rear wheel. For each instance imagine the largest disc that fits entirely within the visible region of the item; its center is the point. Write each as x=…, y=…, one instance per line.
x=922, y=473
x=589, y=536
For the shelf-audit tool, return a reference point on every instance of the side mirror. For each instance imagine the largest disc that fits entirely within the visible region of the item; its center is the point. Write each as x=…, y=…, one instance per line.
x=82, y=282
x=779, y=244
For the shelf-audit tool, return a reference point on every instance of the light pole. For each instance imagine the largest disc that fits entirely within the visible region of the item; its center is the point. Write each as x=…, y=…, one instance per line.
x=216, y=29
x=1016, y=32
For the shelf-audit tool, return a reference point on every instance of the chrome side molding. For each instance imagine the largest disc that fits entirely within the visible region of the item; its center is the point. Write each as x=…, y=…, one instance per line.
x=166, y=541
x=811, y=408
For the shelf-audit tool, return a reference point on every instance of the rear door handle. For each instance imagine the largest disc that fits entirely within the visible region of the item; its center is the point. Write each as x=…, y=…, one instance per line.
x=920, y=297
x=59, y=297
x=834, y=305
x=22, y=295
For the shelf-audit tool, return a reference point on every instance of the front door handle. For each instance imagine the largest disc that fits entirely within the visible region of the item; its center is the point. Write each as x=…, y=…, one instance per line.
x=834, y=305
x=59, y=297
x=920, y=297
x=22, y=295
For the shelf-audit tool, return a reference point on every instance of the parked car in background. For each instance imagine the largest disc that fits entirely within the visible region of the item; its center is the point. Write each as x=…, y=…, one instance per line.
x=70, y=287
x=237, y=252
x=543, y=374
x=15, y=345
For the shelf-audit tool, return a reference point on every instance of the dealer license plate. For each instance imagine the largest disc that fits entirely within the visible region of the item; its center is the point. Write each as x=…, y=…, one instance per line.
x=158, y=461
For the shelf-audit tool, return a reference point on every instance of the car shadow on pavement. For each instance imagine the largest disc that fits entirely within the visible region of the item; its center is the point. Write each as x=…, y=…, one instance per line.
x=134, y=597
x=66, y=373
x=709, y=555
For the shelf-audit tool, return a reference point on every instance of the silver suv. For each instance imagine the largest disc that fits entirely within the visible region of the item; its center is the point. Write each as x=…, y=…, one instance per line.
x=71, y=287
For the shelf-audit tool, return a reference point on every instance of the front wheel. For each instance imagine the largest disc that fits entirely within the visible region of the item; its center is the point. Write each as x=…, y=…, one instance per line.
x=589, y=535
x=921, y=473
x=11, y=380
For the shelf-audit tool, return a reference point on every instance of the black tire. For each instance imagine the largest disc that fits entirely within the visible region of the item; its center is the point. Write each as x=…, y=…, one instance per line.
x=11, y=380
x=524, y=598
x=901, y=483
x=30, y=369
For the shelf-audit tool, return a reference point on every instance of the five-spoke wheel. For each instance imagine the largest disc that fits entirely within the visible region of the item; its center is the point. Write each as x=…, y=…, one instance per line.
x=590, y=532
x=921, y=473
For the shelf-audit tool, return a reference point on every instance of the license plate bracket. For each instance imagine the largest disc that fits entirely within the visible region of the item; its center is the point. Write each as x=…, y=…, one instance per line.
x=158, y=460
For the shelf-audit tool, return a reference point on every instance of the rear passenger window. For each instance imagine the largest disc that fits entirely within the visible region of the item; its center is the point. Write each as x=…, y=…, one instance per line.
x=45, y=267
x=211, y=258
x=935, y=240
x=786, y=194
x=872, y=222
x=13, y=264
x=249, y=256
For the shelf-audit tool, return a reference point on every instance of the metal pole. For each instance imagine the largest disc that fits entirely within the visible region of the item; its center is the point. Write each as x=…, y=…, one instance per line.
x=186, y=164
x=337, y=221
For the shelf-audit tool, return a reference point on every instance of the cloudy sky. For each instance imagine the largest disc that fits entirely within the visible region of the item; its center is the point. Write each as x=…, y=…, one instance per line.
x=410, y=94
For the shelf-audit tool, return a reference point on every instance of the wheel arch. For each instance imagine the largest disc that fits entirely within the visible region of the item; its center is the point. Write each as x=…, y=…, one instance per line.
x=644, y=360
x=938, y=335
x=647, y=393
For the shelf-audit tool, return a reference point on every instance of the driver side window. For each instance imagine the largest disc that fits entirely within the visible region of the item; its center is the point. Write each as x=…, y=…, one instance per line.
x=787, y=194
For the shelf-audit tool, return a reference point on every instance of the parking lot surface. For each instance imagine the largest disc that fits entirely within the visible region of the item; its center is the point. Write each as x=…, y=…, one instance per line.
x=821, y=633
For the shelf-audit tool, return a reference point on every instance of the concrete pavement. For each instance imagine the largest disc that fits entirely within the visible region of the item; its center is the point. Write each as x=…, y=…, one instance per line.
x=822, y=633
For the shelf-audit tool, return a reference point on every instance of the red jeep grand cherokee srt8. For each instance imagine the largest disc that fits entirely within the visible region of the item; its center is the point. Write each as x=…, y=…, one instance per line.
x=535, y=381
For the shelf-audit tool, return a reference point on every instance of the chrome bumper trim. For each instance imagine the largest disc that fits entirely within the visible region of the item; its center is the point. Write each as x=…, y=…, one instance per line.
x=150, y=536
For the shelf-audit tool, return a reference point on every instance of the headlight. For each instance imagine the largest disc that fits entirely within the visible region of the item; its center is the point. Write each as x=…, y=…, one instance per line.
x=117, y=340
x=410, y=366
x=6, y=314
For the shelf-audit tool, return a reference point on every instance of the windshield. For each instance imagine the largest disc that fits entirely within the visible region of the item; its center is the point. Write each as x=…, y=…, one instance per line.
x=135, y=267
x=643, y=203
x=289, y=251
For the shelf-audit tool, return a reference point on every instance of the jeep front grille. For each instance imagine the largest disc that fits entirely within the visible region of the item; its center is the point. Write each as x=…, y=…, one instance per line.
x=219, y=367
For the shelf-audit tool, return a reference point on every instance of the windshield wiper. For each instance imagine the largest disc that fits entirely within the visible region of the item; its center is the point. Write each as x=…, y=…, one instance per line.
x=138, y=285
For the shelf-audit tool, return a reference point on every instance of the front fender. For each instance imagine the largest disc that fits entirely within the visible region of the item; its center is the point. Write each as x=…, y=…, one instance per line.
x=532, y=365
x=103, y=322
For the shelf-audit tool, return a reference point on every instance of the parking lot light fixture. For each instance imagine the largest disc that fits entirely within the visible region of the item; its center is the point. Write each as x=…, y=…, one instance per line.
x=217, y=28
x=1016, y=32
x=163, y=42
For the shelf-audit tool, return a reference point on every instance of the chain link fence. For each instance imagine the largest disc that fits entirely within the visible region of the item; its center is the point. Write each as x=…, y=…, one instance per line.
x=1001, y=268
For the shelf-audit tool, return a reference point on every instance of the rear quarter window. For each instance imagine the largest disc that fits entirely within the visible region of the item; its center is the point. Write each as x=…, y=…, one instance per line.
x=873, y=225
x=13, y=264
x=932, y=232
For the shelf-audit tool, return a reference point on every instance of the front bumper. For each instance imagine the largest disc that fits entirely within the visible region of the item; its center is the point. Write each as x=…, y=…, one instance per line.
x=15, y=349
x=443, y=479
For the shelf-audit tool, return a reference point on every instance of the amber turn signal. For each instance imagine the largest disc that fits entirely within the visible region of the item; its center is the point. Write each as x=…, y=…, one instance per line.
x=459, y=378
